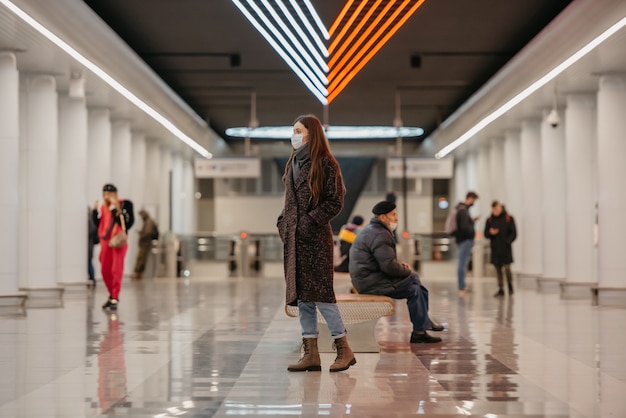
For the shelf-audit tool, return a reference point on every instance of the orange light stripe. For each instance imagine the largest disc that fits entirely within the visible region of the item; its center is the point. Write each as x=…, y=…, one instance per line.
x=335, y=91
x=347, y=26
x=336, y=68
x=337, y=21
x=354, y=33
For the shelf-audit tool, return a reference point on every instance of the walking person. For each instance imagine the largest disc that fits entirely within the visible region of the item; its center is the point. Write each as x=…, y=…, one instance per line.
x=313, y=196
x=464, y=235
x=376, y=270
x=114, y=220
x=501, y=231
x=148, y=232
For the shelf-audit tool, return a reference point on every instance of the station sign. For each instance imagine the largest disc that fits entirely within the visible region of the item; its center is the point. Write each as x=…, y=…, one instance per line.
x=249, y=167
x=429, y=168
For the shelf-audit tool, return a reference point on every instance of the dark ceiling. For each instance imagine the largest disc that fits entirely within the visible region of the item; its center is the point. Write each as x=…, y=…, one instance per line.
x=213, y=58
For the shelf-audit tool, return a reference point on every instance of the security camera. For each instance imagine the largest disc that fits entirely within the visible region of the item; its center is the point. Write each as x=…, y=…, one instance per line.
x=553, y=118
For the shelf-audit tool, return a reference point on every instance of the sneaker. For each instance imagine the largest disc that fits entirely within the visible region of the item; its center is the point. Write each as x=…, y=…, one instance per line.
x=423, y=337
x=113, y=305
x=499, y=293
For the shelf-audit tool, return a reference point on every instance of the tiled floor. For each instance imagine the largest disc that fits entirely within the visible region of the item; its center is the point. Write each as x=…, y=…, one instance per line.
x=211, y=345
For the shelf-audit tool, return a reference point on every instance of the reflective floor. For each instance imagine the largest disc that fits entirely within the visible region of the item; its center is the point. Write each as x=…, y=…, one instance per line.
x=217, y=346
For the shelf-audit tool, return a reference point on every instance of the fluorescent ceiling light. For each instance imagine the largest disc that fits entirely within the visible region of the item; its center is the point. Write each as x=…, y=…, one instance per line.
x=332, y=132
x=531, y=89
x=104, y=76
x=316, y=18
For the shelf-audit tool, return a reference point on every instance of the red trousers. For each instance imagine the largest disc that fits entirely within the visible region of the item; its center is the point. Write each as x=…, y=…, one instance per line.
x=112, y=263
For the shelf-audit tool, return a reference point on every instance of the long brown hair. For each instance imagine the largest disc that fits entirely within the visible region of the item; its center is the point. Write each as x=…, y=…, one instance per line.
x=318, y=148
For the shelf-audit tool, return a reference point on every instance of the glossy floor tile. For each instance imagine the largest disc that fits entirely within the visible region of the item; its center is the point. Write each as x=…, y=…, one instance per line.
x=216, y=346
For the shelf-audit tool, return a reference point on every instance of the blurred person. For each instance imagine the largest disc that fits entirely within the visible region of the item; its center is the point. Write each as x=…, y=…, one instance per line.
x=375, y=270
x=346, y=236
x=148, y=232
x=464, y=235
x=92, y=240
x=391, y=196
x=115, y=217
x=501, y=231
x=314, y=194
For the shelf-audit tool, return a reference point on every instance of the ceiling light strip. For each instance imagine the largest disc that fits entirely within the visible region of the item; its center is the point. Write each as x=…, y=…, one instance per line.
x=321, y=68
x=340, y=16
x=373, y=51
x=531, y=88
x=347, y=26
x=310, y=28
x=354, y=33
x=104, y=76
x=356, y=47
x=293, y=21
x=317, y=19
x=317, y=78
x=321, y=96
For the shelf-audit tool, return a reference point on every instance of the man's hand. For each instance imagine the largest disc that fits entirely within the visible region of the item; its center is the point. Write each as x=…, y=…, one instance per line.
x=95, y=205
x=407, y=265
x=494, y=231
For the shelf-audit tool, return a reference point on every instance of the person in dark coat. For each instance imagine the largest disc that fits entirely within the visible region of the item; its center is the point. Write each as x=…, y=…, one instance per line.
x=464, y=236
x=501, y=231
x=375, y=270
x=314, y=193
x=92, y=240
x=346, y=236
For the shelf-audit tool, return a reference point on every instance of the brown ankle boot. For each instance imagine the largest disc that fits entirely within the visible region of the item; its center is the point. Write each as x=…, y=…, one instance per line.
x=310, y=361
x=345, y=356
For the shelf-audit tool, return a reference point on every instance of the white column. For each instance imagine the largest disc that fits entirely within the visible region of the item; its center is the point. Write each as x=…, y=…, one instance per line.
x=496, y=170
x=121, y=148
x=531, y=193
x=513, y=184
x=72, y=184
x=460, y=182
x=189, y=201
x=9, y=173
x=554, y=203
x=484, y=188
x=471, y=173
x=611, y=175
x=39, y=206
x=580, y=140
x=136, y=192
x=153, y=187
x=164, y=198
x=98, y=162
x=177, y=192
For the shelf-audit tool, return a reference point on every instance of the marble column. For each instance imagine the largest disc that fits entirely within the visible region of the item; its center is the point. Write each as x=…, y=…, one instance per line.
x=165, y=198
x=553, y=197
x=611, y=190
x=460, y=182
x=72, y=219
x=121, y=148
x=580, y=180
x=483, y=205
x=39, y=206
x=530, y=146
x=153, y=188
x=9, y=180
x=137, y=192
x=177, y=193
x=189, y=201
x=496, y=170
x=513, y=186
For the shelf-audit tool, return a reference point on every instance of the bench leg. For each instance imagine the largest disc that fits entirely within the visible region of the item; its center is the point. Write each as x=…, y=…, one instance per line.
x=361, y=336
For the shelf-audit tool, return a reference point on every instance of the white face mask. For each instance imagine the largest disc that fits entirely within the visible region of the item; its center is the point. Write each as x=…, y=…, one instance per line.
x=393, y=225
x=296, y=141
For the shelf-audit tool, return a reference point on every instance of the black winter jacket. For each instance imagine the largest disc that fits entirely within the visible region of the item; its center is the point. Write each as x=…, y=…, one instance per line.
x=464, y=224
x=374, y=266
x=501, y=251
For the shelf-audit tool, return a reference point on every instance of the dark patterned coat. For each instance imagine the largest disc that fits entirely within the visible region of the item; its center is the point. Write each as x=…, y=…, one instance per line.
x=307, y=236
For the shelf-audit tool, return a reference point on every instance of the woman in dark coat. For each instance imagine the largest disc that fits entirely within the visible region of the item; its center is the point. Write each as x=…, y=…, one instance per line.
x=501, y=231
x=313, y=196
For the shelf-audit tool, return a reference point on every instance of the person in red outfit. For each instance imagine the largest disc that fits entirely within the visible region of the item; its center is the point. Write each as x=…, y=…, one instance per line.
x=109, y=222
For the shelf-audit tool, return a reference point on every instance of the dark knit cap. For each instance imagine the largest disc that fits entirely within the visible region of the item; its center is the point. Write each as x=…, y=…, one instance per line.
x=357, y=220
x=109, y=188
x=383, y=207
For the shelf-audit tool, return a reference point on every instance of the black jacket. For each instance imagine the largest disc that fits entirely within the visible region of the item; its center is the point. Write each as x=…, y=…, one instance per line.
x=374, y=266
x=501, y=250
x=464, y=224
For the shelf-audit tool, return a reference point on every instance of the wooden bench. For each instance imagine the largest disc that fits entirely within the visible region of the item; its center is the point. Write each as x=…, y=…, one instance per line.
x=360, y=313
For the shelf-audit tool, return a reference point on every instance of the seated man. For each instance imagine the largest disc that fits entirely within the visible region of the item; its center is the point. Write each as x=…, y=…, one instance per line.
x=375, y=270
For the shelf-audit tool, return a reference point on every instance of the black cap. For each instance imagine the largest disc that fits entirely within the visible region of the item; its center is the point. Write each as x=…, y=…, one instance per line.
x=357, y=220
x=109, y=188
x=383, y=207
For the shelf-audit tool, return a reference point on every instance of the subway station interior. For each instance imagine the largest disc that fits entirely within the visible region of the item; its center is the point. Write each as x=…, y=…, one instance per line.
x=186, y=109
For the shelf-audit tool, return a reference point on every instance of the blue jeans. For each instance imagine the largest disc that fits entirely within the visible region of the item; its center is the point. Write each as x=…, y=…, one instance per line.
x=416, y=296
x=308, y=319
x=465, y=251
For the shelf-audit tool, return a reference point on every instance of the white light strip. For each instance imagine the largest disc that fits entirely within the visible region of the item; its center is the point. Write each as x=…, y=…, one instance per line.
x=317, y=78
x=531, y=89
x=332, y=132
x=291, y=19
x=295, y=68
x=317, y=19
x=106, y=78
x=318, y=70
x=310, y=29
